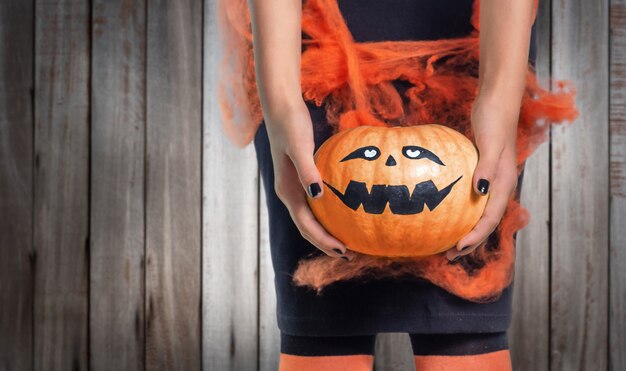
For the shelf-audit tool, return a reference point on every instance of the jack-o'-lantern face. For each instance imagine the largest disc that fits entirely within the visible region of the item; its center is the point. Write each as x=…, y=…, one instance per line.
x=401, y=198
x=398, y=191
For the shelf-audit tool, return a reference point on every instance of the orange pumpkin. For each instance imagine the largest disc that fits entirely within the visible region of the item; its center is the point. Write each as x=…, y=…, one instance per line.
x=398, y=191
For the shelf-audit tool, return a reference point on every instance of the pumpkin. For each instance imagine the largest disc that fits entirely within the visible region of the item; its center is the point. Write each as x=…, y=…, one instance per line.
x=401, y=191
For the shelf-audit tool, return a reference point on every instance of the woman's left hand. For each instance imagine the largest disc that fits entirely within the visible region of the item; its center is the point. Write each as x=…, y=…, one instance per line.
x=495, y=130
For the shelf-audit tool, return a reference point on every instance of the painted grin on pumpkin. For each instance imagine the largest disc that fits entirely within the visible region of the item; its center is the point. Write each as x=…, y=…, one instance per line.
x=397, y=196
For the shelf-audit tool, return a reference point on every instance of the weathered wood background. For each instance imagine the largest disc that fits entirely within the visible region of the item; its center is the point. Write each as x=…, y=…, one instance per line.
x=133, y=236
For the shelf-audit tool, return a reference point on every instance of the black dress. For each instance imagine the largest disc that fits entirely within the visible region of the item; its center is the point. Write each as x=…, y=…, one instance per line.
x=382, y=305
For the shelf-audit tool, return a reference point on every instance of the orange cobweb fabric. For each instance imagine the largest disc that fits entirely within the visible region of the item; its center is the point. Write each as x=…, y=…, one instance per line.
x=354, y=82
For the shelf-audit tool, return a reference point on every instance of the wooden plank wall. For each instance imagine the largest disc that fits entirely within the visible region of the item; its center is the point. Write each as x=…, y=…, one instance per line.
x=173, y=177
x=16, y=184
x=617, y=168
x=579, y=224
x=133, y=236
x=231, y=235
x=530, y=344
x=61, y=185
x=117, y=286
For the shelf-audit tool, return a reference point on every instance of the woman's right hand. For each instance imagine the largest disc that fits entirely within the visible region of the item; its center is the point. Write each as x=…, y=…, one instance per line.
x=292, y=145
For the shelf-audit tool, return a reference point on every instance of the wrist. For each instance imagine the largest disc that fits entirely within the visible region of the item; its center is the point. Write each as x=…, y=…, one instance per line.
x=496, y=119
x=277, y=109
x=499, y=104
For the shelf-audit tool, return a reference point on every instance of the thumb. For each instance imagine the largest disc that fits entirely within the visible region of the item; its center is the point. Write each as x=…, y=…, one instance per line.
x=302, y=158
x=486, y=169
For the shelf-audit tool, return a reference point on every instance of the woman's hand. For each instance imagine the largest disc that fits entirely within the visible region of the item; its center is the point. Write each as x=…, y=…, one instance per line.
x=296, y=176
x=505, y=27
x=276, y=26
x=495, y=175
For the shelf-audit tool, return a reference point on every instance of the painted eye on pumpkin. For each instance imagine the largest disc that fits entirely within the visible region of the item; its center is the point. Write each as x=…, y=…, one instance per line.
x=369, y=153
x=415, y=152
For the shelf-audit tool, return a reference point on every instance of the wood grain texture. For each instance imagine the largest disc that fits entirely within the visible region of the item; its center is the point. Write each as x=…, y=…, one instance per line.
x=230, y=234
x=617, y=295
x=531, y=289
x=269, y=334
x=231, y=273
x=16, y=184
x=580, y=189
x=117, y=186
x=61, y=219
x=173, y=185
x=393, y=352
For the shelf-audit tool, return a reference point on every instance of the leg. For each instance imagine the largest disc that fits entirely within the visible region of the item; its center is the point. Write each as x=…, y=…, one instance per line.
x=451, y=352
x=329, y=353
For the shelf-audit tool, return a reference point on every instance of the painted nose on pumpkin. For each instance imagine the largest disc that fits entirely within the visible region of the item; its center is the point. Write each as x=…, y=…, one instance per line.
x=390, y=161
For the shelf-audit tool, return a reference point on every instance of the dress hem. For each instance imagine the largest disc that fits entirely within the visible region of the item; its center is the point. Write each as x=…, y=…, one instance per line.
x=424, y=324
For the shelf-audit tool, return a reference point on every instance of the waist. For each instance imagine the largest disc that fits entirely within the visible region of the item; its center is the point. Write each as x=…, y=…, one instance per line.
x=411, y=20
x=396, y=20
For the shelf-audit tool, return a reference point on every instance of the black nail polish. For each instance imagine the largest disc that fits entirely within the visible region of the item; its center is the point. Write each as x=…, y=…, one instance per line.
x=345, y=258
x=338, y=251
x=483, y=186
x=314, y=189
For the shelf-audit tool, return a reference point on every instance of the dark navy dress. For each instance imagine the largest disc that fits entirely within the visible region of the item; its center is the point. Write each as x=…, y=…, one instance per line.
x=381, y=305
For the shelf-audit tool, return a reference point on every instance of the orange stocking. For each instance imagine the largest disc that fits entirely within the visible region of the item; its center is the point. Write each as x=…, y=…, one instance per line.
x=494, y=361
x=358, y=362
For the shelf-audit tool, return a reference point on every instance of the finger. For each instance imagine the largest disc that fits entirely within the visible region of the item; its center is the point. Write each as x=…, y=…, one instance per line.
x=487, y=168
x=453, y=254
x=303, y=160
x=314, y=232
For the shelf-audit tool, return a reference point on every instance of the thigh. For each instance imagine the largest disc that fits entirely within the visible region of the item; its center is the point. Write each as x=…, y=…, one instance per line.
x=320, y=353
x=486, y=351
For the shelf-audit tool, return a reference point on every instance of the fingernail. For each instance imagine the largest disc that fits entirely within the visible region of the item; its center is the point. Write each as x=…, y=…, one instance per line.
x=465, y=248
x=456, y=258
x=345, y=258
x=338, y=251
x=314, y=189
x=483, y=186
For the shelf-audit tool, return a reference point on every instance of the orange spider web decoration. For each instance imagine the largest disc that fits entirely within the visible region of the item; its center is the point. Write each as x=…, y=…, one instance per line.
x=354, y=82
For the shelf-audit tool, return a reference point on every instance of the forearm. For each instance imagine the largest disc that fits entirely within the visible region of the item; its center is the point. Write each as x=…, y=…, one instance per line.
x=276, y=26
x=504, y=43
